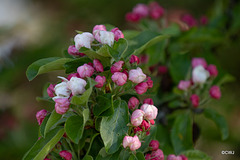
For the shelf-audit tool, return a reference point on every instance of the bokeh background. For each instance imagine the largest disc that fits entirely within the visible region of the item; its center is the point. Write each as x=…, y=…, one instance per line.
x=34, y=29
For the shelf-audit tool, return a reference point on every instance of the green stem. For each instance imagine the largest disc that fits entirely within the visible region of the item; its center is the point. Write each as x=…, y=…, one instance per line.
x=73, y=152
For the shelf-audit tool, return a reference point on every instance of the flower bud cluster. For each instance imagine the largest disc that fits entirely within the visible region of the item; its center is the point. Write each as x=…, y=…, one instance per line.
x=155, y=152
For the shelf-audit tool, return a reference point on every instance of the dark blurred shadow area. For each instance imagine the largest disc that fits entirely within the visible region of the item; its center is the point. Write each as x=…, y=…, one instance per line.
x=34, y=29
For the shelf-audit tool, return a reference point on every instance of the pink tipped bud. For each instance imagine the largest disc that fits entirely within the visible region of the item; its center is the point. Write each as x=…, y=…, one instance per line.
x=150, y=111
x=134, y=59
x=155, y=10
x=41, y=115
x=77, y=85
x=173, y=157
x=183, y=157
x=66, y=155
x=100, y=80
x=189, y=20
x=199, y=62
x=152, y=122
x=145, y=125
x=117, y=34
x=85, y=71
x=203, y=20
x=154, y=145
x=148, y=101
x=184, y=85
x=195, y=100
x=137, y=117
x=137, y=75
x=83, y=40
x=99, y=27
x=50, y=90
x=97, y=65
x=215, y=92
x=104, y=37
x=72, y=50
x=61, y=105
x=149, y=82
x=119, y=78
x=132, y=17
x=212, y=69
x=133, y=103
x=158, y=155
x=141, y=10
x=162, y=70
x=148, y=156
x=137, y=129
x=117, y=67
x=73, y=75
x=141, y=88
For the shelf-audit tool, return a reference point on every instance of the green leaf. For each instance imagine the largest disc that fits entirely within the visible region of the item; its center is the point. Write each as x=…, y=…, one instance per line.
x=227, y=78
x=121, y=47
x=129, y=34
x=43, y=125
x=45, y=65
x=103, y=155
x=124, y=154
x=219, y=120
x=196, y=155
x=103, y=51
x=181, y=134
x=43, y=146
x=72, y=65
x=86, y=114
x=173, y=30
x=87, y=157
x=113, y=136
x=140, y=156
x=74, y=127
x=157, y=53
x=104, y=102
x=92, y=139
x=51, y=121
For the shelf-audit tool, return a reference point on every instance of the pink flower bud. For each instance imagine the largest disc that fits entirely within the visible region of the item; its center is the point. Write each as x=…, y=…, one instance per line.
x=149, y=82
x=105, y=37
x=154, y=145
x=41, y=115
x=141, y=10
x=137, y=75
x=100, y=80
x=66, y=155
x=199, y=75
x=158, y=155
x=127, y=140
x=199, y=62
x=90, y=64
x=135, y=143
x=73, y=75
x=150, y=111
x=155, y=10
x=97, y=65
x=47, y=159
x=162, y=70
x=125, y=71
x=73, y=51
x=99, y=27
x=61, y=105
x=83, y=40
x=77, y=85
x=195, y=100
x=189, y=20
x=144, y=58
x=117, y=34
x=141, y=88
x=85, y=71
x=152, y=122
x=145, y=124
x=173, y=157
x=148, y=101
x=137, y=117
x=215, y=92
x=50, y=90
x=134, y=59
x=137, y=129
x=183, y=157
x=203, y=20
x=212, y=69
x=133, y=103
x=132, y=17
x=119, y=78
x=184, y=85
x=117, y=67
x=148, y=156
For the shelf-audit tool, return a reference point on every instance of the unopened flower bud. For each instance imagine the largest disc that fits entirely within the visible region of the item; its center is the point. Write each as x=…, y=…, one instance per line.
x=125, y=71
x=105, y=37
x=100, y=81
x=132, y=17
x=158, y=155
x=97, y=65
x=141, y=10
x=150, y=111
x=132, y=142
x=127, y=140
x=173, y=157
x=149, y=82
x=73, y=75
x=72, y=50
x=183, y=157
x=144, y=58
x=66, y=155
x=41, y=115
x=137, y=75
x=199, y=75
x=119, y=78
x=199, y=62
x=184, y=85
x=85, y=71
x=215, y=92
x=83, y=40
x=117, y=67
x=137, y=117
x=152, y=122
x=141, y=88
x=162, y=70
x=50, y=90
x=155, y=10
x=148, y=156
x=212, y=69
x=77, y=85
x=203, y=20
x=98, y=28
x=61, y=90
x=133, y=103
x=154, y=145
x=145, y=124
x=137, y=129
x=61, y=105
x=189, y=20
x=148, y=101
x=134, y=59
x=117, y=34
x=195, y=100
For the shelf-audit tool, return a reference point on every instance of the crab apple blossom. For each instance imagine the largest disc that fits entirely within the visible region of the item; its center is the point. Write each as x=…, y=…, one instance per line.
x=173, y=157
x=126, y=141
x=199, y=75
x=141, y=88
x=117, y=67
x=137, y=75
x=132, y=17
x=150, y=111
x=66, y=155
x=199, y=62
x=77, y=85
x=189, y=20
x=72, y=50
x=155, y=10
x=132, y=142
x=119, y=78
x=145, y=124
x=148, y=101
x=137, y=117
x=154, y=145
x=212, y=69
x=100, y=81
x=85, y=71
x=50, y=90
x=61, y=90
x=61, y=105
x=41, y=115
x=98, y=65
x=184, y=85
x=98, y=28
x=134, y=59
x=133, y=103
x=149, y=82
x=157, y=155
x=141, y=10
x=195, y=100
x=215, y=92
x=83, y=40
x=105, y=37
x=117, y=34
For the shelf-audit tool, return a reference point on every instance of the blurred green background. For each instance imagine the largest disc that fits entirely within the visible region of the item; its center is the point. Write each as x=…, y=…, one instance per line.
x=34, y=29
